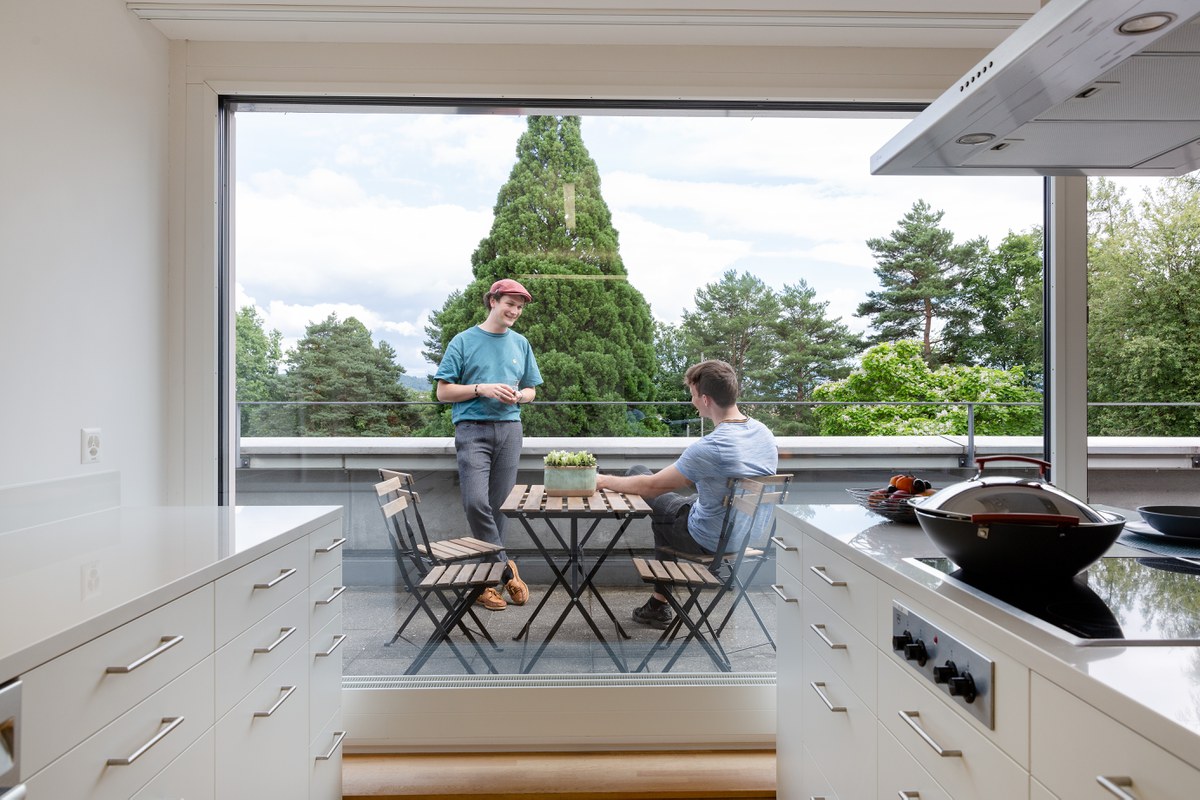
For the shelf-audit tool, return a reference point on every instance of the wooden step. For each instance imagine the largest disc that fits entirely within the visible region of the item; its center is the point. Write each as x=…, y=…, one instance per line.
x=673, y=775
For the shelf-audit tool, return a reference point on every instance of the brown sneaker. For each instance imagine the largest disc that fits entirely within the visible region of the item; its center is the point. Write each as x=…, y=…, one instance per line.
x=517, y=590
x=491, y=600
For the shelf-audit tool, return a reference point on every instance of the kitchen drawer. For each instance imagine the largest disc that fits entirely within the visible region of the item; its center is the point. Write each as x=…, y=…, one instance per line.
x=152, y=734
x=1039, y=792
x=325, y=598
x=325, y=549
x=249, y=593
x=850, y=654
x=787, y=539
x=901, y=776
x=189, y=777
x=789, y=684
x=813, y=784
x=847, y=589
x=250, y=658
x=838, y=729
x=325, y=677
x=263, y=743
x=981, y=770
x=1101, y=747
x=325, y=761
x=70, y=698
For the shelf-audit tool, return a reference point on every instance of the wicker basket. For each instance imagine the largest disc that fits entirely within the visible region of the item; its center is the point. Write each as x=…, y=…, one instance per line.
x=897, y=510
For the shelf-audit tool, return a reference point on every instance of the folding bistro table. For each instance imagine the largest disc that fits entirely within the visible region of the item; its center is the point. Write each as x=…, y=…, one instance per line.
x=528, y=503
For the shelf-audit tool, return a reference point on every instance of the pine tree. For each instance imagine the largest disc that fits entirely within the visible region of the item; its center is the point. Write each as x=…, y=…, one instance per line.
x=591, y=331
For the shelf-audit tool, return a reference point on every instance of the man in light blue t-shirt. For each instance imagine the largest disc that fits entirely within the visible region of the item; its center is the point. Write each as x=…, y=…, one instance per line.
x=738, y=447
x=488, y=371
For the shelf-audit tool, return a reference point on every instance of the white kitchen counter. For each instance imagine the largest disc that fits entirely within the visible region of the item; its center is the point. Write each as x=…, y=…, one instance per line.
x=1154, y=690
x=65, y=583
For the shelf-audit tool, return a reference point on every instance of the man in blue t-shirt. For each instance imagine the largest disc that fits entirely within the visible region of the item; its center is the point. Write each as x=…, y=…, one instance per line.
x=488, y=371
x=738, y=447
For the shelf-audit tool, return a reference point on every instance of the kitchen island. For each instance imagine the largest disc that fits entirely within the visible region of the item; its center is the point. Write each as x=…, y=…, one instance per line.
x=860, y=715
x=176, y=652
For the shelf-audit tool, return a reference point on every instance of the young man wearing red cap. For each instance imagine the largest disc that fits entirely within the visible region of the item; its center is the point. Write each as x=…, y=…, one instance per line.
x=488, y=371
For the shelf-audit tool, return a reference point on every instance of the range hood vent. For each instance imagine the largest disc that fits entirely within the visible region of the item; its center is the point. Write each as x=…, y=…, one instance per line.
x=1069, y=93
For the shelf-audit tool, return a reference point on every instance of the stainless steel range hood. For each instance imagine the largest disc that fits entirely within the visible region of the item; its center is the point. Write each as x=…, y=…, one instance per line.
x=1069, y=93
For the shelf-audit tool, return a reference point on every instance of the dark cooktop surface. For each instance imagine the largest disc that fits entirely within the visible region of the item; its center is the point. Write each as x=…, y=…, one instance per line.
x=1120, y=600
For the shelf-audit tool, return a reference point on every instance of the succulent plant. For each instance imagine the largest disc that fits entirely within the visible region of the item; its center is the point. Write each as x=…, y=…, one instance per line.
x=563, y=458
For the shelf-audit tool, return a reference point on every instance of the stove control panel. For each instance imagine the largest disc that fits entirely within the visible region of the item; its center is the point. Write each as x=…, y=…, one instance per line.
x=952, y=667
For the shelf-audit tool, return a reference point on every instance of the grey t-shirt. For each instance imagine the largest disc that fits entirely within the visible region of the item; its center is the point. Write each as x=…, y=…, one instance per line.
x=733, y=450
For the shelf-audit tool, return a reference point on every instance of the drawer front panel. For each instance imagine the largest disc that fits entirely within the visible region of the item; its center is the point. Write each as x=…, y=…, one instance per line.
x=250, y=658
x=981, y=770
x=841, y=739
x=848, y=652
x=1104, y=748
x=325, y=549
x=325, y=598
x=248, y=594
x=325, y=687
x=70, y=698
x=260, y=756
x=901, y=776
x=787, y=544
x=325, y=761
x=151, y=735
x=847, y=589
x=189, y=777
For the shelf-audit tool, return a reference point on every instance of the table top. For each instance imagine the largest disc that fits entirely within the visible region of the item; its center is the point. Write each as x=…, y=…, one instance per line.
x=531, y=500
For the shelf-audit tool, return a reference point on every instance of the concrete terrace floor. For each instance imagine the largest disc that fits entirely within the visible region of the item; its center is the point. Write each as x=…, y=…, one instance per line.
x=371, y=615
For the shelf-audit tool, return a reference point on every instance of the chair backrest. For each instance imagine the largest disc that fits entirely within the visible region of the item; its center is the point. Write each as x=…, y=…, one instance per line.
x=749, y=513
x=394, y=504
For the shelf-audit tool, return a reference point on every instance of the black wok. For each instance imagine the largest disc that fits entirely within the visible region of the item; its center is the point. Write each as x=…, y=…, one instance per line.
x=1013, y=528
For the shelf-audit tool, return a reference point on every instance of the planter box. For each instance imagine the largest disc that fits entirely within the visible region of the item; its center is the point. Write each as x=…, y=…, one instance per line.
x=570, y=481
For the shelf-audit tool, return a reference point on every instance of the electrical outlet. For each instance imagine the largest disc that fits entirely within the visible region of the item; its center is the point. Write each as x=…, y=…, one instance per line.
x=89, y=445
x=89, y=580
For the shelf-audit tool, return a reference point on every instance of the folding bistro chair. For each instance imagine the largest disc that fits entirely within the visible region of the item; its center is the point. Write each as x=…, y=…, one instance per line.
x=455, y=583
x=748, y=504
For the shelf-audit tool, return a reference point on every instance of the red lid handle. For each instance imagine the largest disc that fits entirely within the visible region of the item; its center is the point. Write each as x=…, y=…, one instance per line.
x=1042, y=465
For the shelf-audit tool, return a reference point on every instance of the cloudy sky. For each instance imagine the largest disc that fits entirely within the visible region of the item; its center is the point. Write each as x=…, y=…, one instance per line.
x=376, y=215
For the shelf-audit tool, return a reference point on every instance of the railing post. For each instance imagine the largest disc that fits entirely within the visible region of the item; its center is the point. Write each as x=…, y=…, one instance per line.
x=970, y=434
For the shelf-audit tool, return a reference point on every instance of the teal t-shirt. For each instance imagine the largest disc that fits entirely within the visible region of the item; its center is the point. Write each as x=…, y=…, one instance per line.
x=476, y=356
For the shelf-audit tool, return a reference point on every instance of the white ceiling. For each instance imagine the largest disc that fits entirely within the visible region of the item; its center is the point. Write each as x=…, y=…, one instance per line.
x=824, y=23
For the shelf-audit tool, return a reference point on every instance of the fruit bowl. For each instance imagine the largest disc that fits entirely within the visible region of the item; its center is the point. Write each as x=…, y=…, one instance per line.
x=886, y=505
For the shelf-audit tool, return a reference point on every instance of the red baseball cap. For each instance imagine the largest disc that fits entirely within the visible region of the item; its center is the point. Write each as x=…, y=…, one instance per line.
x=509, y=286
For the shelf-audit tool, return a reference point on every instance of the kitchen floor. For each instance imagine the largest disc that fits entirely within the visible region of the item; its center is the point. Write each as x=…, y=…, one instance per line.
x=371, y=615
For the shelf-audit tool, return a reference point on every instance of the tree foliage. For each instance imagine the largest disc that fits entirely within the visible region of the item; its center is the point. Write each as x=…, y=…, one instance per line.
x=591, y=330
x=920, y=271
x=898, y=372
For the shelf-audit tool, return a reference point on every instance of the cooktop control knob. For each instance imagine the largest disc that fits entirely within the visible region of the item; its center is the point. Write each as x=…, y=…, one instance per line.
x=945, y=672
x=963, y=686
x=916, y=652
x=900, y=640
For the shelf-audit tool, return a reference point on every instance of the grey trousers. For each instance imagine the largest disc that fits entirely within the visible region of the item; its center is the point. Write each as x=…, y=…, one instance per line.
x=669, y=522
x=488, y=454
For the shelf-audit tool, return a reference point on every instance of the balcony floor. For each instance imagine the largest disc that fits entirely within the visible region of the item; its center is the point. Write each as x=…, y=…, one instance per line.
x=371, y=615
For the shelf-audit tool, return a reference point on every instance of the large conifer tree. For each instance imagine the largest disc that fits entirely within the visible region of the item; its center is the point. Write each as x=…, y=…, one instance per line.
x=591, y=331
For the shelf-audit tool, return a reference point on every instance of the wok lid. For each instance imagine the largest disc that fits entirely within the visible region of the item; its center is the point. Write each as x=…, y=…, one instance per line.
x=999, y=495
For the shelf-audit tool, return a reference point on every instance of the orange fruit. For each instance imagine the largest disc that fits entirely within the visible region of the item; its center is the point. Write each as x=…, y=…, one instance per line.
x=903, y=483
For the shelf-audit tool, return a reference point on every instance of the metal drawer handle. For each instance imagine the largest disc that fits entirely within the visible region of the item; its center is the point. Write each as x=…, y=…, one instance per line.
x=783, y=545
x=911, y=718
x=819, y=688
x=777, y=588
x=336, y=594
x=171, y=722
x=283, y=573
x=820, y=572
x=819, y=629
x=908, y=794
x=1116, y=785
x=15, y=793
x=337, y=740
x=166, y=643
x=337, y=641
x=283, y=634
x=287, y=692
x=334, y=546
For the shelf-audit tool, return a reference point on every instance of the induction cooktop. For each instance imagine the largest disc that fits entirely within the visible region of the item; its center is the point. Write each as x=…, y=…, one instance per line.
x=1118, y=601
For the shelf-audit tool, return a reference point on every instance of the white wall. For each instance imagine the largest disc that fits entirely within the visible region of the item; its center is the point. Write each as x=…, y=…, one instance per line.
x=83, y=238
